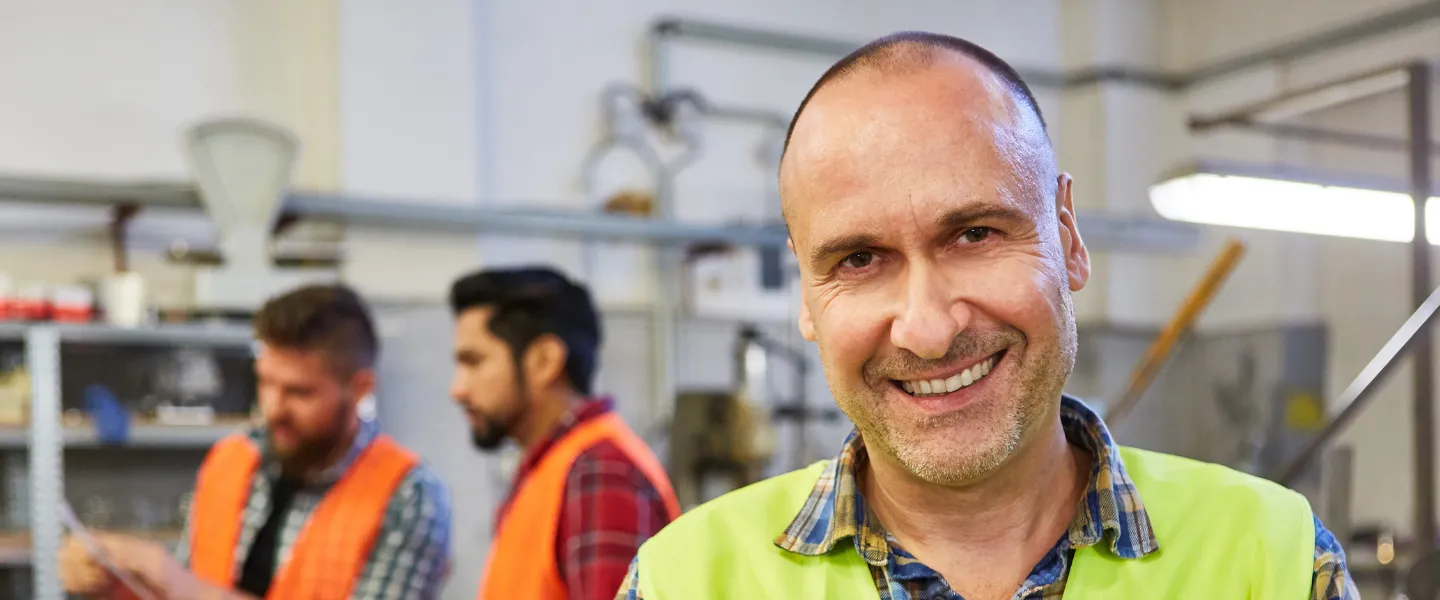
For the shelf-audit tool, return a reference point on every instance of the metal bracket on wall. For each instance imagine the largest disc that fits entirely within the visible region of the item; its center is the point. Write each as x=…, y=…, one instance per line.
x=120, y=217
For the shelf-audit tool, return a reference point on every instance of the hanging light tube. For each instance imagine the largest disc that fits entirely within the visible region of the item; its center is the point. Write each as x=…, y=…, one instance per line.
x=1290, y=199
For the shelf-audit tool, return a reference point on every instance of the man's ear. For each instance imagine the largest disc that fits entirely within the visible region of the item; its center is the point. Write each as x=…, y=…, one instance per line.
x=544, y=360
x=1077, y=256
x=806, y=323
x=361, y=384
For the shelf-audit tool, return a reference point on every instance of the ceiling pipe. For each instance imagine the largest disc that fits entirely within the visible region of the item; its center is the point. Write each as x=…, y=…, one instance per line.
x=1174, y=81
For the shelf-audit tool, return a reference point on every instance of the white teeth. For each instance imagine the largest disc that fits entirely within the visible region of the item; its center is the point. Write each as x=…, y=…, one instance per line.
x=924, y=387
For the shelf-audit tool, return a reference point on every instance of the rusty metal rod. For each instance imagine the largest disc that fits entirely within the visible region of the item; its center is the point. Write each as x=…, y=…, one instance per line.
x=1184, y=317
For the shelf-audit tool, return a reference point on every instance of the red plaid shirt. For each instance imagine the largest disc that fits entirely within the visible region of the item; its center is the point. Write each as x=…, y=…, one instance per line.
x=610, y=508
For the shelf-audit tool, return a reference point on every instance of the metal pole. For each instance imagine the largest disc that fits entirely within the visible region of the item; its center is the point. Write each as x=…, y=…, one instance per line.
x=664, y=324
x=1424, y=355
x=46, y=449
x=1309, y=99
x=1358, y=395
x=1353, y=139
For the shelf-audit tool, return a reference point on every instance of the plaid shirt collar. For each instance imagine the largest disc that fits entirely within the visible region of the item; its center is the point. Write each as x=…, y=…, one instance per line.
x=578, y=413
x=836, y=511
x=369, y=430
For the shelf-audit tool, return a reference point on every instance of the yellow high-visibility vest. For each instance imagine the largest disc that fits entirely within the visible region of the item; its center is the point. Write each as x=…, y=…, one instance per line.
x=1222, y=534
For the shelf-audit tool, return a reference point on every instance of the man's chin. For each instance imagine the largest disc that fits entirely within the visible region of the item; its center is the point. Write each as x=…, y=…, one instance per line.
x=283, y=451
x=950, y=463
x=486, y=442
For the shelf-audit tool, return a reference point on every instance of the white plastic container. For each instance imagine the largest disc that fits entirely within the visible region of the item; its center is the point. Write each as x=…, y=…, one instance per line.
x=124, y=299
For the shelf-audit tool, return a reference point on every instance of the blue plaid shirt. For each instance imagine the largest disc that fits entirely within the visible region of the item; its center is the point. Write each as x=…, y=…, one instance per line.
x=411, y=556
x=836, y=511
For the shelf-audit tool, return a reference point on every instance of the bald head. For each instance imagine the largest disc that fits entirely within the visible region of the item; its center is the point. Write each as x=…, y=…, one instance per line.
x=908, y=51
x=919, y=84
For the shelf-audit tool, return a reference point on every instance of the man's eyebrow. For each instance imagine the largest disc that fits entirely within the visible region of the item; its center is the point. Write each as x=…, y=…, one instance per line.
x=971, y=216
x=843, y=245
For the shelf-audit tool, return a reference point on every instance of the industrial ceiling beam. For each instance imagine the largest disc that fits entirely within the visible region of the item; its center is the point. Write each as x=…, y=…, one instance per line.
x=786, y=41
x=1103, y=231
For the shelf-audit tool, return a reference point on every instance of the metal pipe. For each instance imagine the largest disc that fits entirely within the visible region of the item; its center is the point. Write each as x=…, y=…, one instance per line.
x=1423, y=362
x=617, y=137
x=46, y=454
x=664, y=330
x=1338, y=37
x=1104, y=231
x=774, y=39
x=1354, y=139
x=1300, y=101
x=674, y=28
x=462, y=219
x=101, y=193
x=1362, y=390
x=750, y=115
x=1337, y=486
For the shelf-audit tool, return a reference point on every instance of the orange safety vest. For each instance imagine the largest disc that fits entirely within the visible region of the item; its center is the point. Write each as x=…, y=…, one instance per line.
x=331, y=550
x=521, y=563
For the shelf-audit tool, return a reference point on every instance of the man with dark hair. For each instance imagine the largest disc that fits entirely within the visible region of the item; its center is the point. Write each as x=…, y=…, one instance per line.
x=938, y=250
x=588, y=491
x=317, y=503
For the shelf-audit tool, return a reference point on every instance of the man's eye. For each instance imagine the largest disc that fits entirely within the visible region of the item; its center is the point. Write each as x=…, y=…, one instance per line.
x=858, y=260
x=975, y=235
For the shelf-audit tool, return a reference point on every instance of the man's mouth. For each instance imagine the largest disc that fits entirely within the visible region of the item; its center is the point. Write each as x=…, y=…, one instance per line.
x=923, y=388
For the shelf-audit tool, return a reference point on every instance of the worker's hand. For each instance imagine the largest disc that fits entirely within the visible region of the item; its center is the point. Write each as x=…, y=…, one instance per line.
x=150, y=563
x=80, y=573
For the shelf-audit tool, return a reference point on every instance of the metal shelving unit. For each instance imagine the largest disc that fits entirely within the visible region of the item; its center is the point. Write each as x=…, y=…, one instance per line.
x=41, y=481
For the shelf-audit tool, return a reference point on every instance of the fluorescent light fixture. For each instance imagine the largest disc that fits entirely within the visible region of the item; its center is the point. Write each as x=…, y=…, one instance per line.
x=1285, y=199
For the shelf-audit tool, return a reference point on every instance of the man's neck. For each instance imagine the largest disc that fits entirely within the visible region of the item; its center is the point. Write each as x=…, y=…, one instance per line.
x=998, y=527
x=544, y=416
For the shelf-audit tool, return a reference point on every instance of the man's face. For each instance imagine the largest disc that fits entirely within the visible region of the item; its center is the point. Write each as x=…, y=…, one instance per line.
x=938, y=250
x=486, y=382
x=307, y=407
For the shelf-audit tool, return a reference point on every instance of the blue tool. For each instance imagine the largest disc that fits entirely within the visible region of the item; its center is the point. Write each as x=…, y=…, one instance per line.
x=112, y=421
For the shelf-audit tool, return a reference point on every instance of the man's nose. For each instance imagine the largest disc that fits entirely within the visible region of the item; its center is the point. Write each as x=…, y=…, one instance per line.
x=931, y=316
x=271, y=406
x=457, y=387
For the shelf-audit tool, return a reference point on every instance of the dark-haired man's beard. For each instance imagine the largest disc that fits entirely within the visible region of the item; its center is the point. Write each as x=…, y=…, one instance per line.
x=492, y=429
x=314, y=452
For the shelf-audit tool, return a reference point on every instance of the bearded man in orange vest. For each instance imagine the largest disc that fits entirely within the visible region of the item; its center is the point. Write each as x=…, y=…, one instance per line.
x=316, y=504
x=588, y=491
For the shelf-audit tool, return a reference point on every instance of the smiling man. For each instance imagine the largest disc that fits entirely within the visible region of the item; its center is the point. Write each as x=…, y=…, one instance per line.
x=938, y=250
